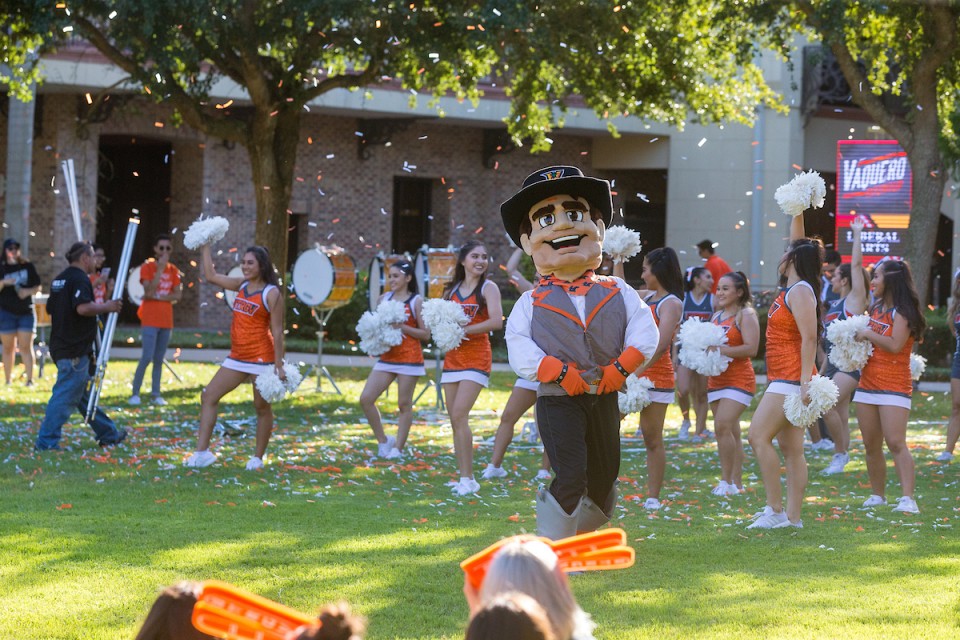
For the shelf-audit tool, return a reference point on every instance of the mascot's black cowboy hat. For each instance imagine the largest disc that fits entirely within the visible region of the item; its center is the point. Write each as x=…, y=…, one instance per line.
x=552, y=181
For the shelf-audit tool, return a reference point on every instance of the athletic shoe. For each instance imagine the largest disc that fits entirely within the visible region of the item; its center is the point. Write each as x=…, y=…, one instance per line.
x=254, y=464
x=684, y=430
x=652, y=504
x=874, y=501
x=771, y=520
x=946, y=456
x=200, y=459
x=700, y=437
x=466, y=486
x=783, y=525
x=721, y=489
x=395, y=454
x=492, y=472
x=733, y=490
x=121, y=436
x=160, y=402
x=383, y=448
x=836, y=466
x=767, y=511
x=134, y=401
x=544, y=474
x=906, y=504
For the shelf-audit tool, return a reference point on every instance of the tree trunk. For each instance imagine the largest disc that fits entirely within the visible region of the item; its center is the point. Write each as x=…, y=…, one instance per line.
x=929, y=179
x=272, y=147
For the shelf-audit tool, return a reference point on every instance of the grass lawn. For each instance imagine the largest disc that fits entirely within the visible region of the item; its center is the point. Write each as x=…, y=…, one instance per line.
x=88, y=537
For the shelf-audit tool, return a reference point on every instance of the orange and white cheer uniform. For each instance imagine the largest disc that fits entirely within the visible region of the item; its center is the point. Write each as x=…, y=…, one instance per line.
x=473, y=359
x=406, y=358
x=784, y=344
x=885, y=380
x=661, y=372
x=738, y=382
x=251, y=341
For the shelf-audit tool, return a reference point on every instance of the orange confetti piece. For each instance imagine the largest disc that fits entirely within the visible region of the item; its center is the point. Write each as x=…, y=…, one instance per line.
x=65, y=505
x=859, y=529
x=514, y=518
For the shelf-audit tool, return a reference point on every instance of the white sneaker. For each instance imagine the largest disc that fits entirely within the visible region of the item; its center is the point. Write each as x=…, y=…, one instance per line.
x=160, y=402
x=200, y=459
x=466, y=486
x=721, y=489
x=254, y=464
x=767, y=511
x=783, y=525
x=134, y=401
x=946, y=456
x=492, y=472
x=836, y=466
x=772, y=520
x=544, y=474
x=874, y=501
x=733, y=490
x=684, y=430
x=906, y=504
x=394, y=454
x=652, y=504
x=383, y=448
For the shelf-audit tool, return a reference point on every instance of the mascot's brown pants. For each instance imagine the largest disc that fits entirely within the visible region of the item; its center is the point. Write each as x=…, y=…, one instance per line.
x=581, y=435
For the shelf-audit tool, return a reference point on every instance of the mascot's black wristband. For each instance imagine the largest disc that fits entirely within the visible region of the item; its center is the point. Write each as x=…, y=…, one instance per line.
x=563, y=374
x=620, y=368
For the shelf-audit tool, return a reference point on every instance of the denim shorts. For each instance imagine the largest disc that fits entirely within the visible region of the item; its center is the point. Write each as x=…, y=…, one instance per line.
x=12, y=323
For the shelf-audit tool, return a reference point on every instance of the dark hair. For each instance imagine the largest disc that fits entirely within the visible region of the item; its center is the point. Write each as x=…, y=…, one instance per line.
x=846, y=273
x=11, y=243
x=460, y=274
x=408, y=270
x=267, y=273
x=161, y=236
x=77, y=250
x=806, y=256
x=510, y=616
x=665, y=266
x=690, y=277
x=706, y=245
x=526, y=226
x=335, y=622
x=742, y=286
x=832, y=256
x=899, y=289
x=169, y=618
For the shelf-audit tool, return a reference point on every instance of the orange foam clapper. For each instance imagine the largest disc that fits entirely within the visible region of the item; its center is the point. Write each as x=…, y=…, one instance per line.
x=224, y=611
x=586, y=542
x=476, y=565
x=619, y=557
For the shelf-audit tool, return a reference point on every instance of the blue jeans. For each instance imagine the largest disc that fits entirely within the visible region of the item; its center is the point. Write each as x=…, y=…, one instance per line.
x=155, y=341
x=69, y=393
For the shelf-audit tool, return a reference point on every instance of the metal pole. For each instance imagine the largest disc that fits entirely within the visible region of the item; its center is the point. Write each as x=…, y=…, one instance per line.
x=756, y=201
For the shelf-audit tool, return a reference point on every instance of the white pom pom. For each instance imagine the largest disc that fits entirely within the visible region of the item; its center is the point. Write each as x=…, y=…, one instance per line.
x=823, y=395
x=392, y=311
x=637, y=396
x=621, y=243
x=918, y=364
x=445, y=319
x=270, y=386
x=806, y=190
x=294, y=377
x=695, y=338
x=376, y=328
x=847, y=353
x=205, y=231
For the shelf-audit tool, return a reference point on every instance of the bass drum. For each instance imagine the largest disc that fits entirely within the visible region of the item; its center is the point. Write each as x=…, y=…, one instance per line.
x=228, y=295
x=134, y=286
x=378, y=275
x=434, y=269
x=324, y=277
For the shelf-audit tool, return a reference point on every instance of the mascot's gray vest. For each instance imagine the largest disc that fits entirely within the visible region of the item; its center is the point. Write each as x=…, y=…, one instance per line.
x=557, y=329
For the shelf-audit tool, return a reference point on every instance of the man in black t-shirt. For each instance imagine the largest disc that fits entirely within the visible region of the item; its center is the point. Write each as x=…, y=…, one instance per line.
x=73, y=329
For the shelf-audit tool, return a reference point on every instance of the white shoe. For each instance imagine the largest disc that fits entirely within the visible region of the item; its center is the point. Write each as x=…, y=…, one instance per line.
x=492, y=472
x=874, y=501
x=772, y=520
x=721, y=489
x=767, y=511
x=684, y=430
x=652, y=504
x=254, y=464
x=836, y=466
x=906, y=504
x=733, y=490
x=466, y=486
x=394, y=454
x=134, y=401
x=783, y=525
x=383, y=448
x=946, y=456
x=200, y=459
x=160, y=402
x=544, y=474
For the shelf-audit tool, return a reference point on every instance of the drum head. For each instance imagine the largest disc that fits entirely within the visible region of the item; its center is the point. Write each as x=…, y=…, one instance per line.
x=377, y=280
x=312, y=277
x=228, y=295
x=134, y=286
x=434, y=269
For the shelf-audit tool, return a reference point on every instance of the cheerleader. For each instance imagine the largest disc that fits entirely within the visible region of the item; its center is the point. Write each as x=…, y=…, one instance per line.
x=953, y=427
x=256, y=346
x=850, y=281
x=697, y=303
x=731, y=392
x=792, y=328
x=883, y=398
x=466, y=369
x=403, y=363
x=664, y=286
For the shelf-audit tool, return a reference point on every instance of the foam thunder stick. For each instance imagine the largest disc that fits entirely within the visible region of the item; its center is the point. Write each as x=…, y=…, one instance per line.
x=224, y=611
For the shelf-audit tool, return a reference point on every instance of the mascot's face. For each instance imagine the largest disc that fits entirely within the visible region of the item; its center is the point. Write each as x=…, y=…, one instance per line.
x=564, y=241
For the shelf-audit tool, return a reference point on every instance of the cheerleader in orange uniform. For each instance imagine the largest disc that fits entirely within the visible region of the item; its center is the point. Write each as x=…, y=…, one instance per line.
x=883, y=397
x=793, y=325
x=403, y=363
x=466, y=369
x=256, y=346
x=664, y=285
x=731, y=392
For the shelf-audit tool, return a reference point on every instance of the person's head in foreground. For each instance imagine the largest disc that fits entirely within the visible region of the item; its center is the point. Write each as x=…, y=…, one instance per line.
x=510, y=616
x=169, y=618
x=335, y=622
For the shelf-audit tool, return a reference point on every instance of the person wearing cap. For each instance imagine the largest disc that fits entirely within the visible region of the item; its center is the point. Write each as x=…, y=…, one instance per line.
x=18, y=323
x=579, y=335
x=716, y=265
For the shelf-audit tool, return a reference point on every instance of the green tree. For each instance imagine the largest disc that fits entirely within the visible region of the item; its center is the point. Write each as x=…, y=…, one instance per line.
x=664, y=61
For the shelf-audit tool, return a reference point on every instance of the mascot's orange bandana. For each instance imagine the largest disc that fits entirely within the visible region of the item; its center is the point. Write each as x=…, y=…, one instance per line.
x=578, y=287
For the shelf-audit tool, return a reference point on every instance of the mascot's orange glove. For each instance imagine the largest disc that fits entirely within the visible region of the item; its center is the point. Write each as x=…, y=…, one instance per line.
x=615, y=373
x=566, y=375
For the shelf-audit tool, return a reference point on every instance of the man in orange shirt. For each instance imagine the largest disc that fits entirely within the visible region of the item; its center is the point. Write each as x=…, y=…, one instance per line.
x=162, y=288
x=716, y=265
